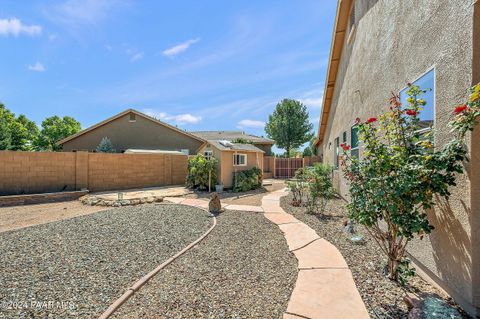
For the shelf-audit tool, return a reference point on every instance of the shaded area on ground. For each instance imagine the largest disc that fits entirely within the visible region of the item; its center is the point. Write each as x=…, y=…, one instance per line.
x=243, y=269
x=89, y=261
x=383, y=298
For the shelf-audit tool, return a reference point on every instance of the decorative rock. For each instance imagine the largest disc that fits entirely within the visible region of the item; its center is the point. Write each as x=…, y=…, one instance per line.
x=214, y=206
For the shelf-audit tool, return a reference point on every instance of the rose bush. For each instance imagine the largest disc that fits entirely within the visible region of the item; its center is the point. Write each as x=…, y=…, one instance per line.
x=401, y=170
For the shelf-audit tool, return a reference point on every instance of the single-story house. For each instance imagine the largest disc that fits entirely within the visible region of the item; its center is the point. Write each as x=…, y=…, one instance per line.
x=263, y=143
x=378, y=46
x=232, y=157
x=132, y=129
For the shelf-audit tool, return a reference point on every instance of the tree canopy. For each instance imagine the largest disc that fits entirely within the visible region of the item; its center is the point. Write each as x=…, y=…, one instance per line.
x=289, y=125
x=55, y=129
x=16, y=133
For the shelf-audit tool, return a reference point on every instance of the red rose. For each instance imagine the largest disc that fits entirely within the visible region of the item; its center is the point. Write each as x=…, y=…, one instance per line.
x=342, y=145
x=411, y=112
x=357, y=120
x=459, y=109
x=346, y=147
x=409, y=84
x=371, y=120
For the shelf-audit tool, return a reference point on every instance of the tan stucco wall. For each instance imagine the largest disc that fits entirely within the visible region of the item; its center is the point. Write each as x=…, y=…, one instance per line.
x=141, y=134
x=225, y=163
x=253, y=160
x=393, y=45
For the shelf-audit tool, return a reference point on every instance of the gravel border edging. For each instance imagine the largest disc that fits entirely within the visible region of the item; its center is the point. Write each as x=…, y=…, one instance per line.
x=142, y=281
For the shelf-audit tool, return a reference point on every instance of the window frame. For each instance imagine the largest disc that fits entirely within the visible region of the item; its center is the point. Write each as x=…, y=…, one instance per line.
x=244, y=155
x=356, y=148
x=336, y=152
x=210, y=154
x=432, y=68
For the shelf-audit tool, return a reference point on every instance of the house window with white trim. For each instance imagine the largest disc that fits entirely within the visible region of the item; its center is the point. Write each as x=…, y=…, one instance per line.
x=208, y=155
x=239, y=159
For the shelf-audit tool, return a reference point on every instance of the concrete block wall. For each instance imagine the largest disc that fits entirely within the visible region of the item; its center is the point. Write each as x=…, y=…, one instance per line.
x=41, y=172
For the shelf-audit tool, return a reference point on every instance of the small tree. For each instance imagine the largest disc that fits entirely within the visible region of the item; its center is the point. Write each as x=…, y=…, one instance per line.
x=289, y=125
x=105, y=146
x=55, y=129
x=201, y=171
x=400, y=171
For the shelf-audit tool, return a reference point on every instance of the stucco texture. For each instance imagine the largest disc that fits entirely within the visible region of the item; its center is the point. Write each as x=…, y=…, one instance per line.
x=142, y=133
x=395, y=42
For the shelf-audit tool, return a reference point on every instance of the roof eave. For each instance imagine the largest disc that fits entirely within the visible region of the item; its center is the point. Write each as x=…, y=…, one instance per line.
x=336, y=49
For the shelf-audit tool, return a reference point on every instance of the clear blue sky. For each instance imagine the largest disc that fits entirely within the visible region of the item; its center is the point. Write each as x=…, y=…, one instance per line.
x=201, y=65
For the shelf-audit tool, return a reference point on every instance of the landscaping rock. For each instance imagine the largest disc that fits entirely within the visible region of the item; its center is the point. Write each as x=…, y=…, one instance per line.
x=88, y=262
x=241, y=270
x=93, y=200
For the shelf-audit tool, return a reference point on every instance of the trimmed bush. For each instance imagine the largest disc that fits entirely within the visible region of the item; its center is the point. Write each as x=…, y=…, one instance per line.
x=199, y=169
x=247, y=180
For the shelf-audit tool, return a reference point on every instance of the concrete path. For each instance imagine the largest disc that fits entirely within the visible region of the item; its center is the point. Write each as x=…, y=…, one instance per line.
x=325, y=288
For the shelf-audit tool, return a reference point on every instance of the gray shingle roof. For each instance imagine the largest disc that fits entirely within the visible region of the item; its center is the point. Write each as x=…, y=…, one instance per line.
x=232, y=135
x=235, y=147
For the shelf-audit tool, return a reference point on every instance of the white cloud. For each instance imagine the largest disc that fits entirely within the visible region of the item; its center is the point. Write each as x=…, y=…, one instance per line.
x=37, y=67
x=76, y=14
x=251, y=124
x=15, y=27
x=180, y=47
x=136, y=57
x=185, y=118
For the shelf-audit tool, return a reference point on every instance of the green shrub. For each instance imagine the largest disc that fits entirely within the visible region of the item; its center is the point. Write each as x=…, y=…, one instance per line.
x=320, y=187
x=312, y=187
x=247, y=180
x=199, y=170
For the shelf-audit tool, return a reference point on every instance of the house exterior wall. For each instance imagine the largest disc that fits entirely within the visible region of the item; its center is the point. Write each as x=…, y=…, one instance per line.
x=141, y=134
x=254, y=159
x=395, y=42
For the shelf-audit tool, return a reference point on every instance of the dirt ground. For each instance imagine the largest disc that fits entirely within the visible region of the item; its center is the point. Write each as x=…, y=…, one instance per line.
x=253, y=198
x=28, y=215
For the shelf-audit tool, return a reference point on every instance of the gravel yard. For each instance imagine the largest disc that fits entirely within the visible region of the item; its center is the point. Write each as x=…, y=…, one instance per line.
x=87, y=262
x=243, y=269
x=16, y=217
x=383, y=298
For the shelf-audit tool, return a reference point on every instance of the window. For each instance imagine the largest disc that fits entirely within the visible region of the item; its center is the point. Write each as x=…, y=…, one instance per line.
x=425, y=82
x=239, y=159
x=336, y=152
x=208, y=154
x=133, y=118
x=354, y=141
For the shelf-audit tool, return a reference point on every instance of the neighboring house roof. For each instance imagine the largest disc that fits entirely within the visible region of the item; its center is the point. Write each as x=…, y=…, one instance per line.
x=139, y=151
x=71, y=137
x=234, y=146
x=336, y=49
x=232, y=135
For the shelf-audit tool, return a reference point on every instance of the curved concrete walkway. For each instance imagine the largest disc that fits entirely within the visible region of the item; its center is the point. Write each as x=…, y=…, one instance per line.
x=325, y=288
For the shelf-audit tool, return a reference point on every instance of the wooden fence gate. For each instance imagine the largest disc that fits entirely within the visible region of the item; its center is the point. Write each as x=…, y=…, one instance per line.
x=286, y=167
